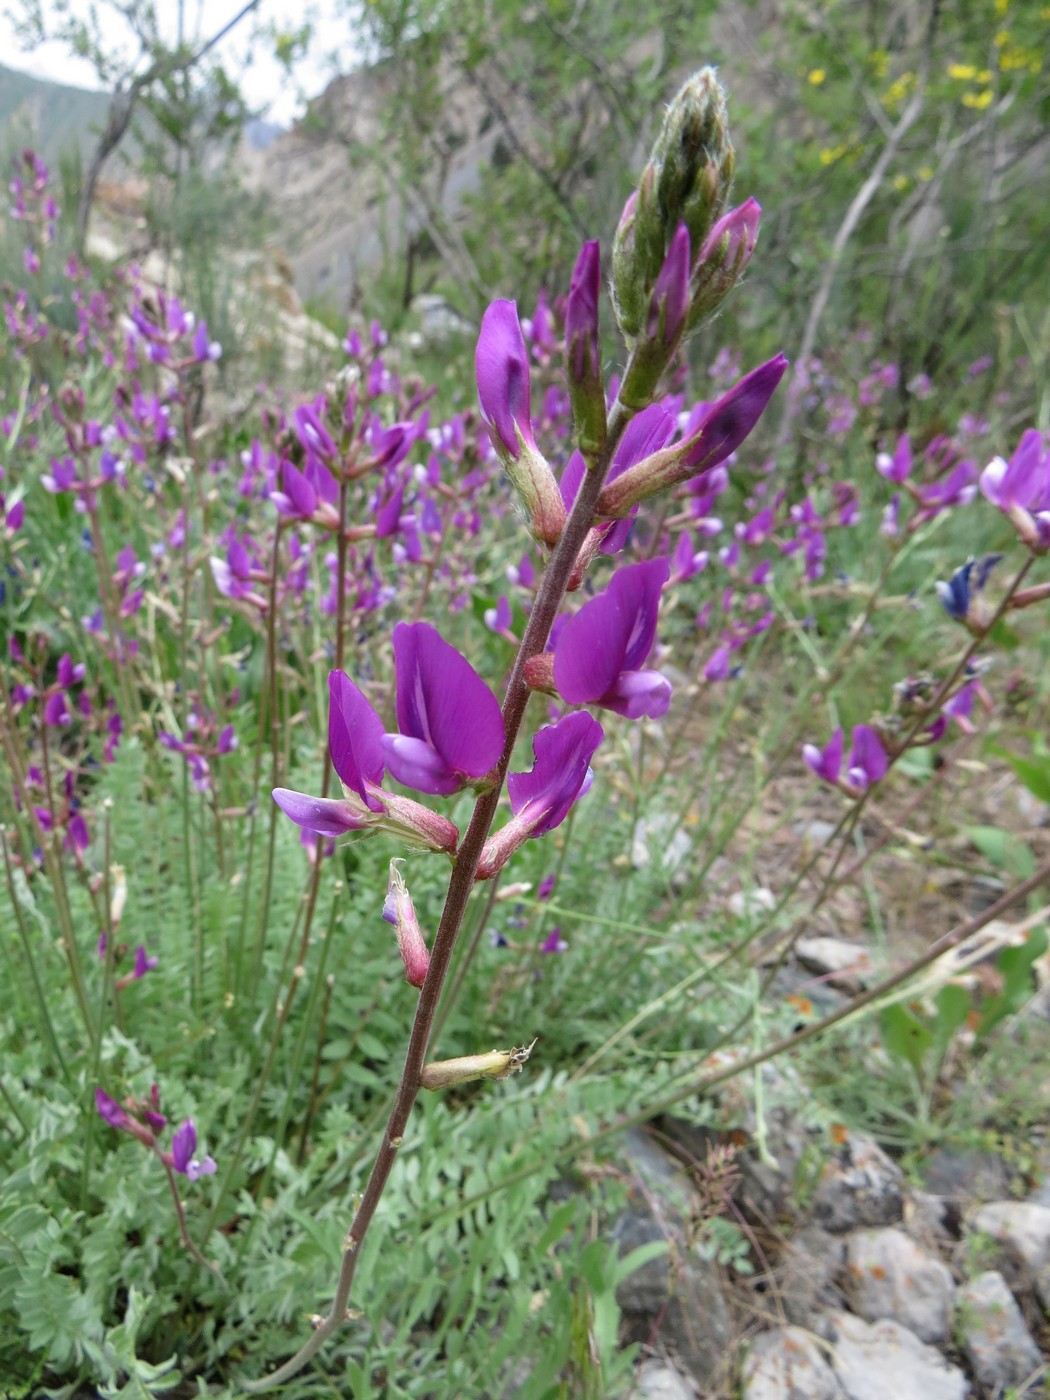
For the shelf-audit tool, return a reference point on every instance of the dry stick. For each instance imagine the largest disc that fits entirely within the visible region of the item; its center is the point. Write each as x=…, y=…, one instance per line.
x=854, y=213
x=940, y=946
x=701, y=1083
x=461, y=882
x=845, y=828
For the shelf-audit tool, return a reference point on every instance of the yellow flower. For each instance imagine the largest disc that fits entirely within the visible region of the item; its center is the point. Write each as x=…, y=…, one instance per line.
x=1001, y=38
x=1001, y=6
x=977, y=100
x=925, y=172
x=963, y=71
x=901, y=182
x=817, y=76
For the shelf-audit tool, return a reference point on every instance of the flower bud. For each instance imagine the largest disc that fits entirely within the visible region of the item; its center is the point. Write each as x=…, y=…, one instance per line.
x=502, y=368
x=686, y=182
x=583, y=353
x=721, y=431
x=400, y=911
x=723, y=258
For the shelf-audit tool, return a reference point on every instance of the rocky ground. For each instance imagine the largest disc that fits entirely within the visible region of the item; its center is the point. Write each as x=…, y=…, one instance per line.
x=871, y=1288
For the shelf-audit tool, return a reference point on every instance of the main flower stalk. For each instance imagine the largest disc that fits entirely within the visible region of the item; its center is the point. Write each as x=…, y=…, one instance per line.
x=461, y=882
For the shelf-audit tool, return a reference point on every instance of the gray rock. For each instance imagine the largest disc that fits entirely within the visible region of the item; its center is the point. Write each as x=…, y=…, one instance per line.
x=966, y=1176
x=660, y=839
x=656, y=1380
x=815, y=833
x=751, y=904
x=931, y=1219
x=874, y=1361
x=994, y=1337
x=1040, y=1193
x=844, y=963
x=791, y=981
x=787, y=1364
x=680, y=1291
x=659, y=1176
x=860, y=1187
x=890, y=1276
x=806, y=1275
x=1023, y=1229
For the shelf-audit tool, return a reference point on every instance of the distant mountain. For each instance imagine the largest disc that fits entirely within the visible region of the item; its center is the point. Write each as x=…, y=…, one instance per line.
x=52, y=118
x=48, y=116
x=259, y=134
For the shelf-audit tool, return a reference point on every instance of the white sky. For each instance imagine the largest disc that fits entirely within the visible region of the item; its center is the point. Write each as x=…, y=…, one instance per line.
x=333, y=48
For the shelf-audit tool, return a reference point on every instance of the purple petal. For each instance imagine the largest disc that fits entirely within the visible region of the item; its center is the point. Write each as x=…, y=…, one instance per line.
x=639, y=695
x=143, y=964
x=324, y=815
x=1025, y=478
x=581, y=314
x=110, y=1110
x=646, y=433
x=501, y=364
x=612, y=633
x=196, y=1169
x=355, y=741
x=560, y=774
x=442, y=700
x=741, y=225
x=867, y=756
x=670, y=299
x=183, y=1145
x=414, y=763
x=730, y=420
x=826, y=763
x=300, y=495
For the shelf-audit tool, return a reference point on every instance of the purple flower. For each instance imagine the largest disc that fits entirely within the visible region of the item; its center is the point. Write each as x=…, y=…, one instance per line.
x=542, y=798
x=355, y=742
x=601, y=648
x=183, y=1146
x=143, y=964
x=554, y=943
x=502, y=367
x=646, y=433
x=56, y=711
x=111, y=1111
x=867, y=764
x=732, y=417
x=826, y=763
x=724, y=426
x=898, y=467
x=356, y=745
x=451, y=728
x=867, y=760
x=960, y=595
x=1021, y=488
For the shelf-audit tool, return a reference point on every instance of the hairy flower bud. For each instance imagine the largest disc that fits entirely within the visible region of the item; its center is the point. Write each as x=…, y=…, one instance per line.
x=583, y=354
x=400, y=911
x=686, y=181
x=723, y=259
